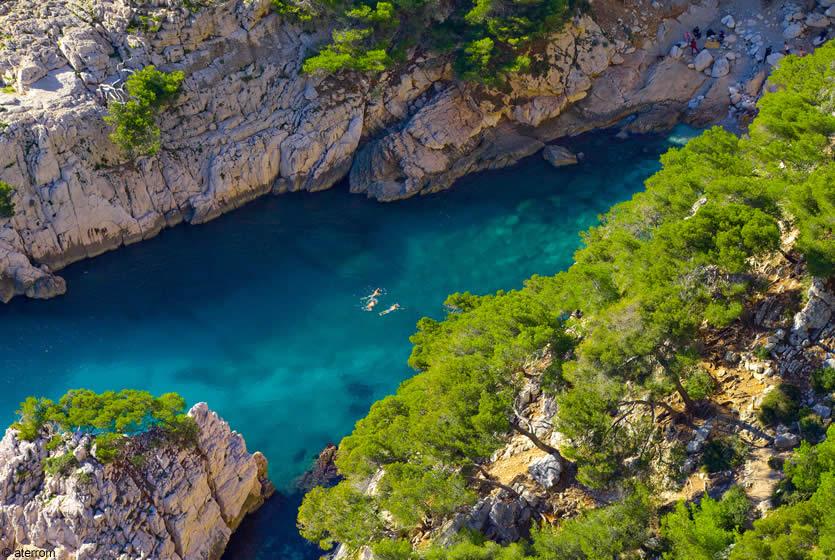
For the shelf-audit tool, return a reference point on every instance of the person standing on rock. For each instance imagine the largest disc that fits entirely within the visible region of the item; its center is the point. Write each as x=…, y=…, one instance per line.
x=694, y=47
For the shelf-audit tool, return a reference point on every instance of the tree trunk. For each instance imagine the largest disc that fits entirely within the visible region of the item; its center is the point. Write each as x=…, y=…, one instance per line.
x=538, y=442
x=689, y=405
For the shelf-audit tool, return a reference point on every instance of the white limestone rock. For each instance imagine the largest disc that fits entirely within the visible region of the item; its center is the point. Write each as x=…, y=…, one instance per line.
x=703, y=60
x=722, y=67
x=817, y=20
x=546, y=471
x=793, y=31
x=182, y=502
x=728, y=21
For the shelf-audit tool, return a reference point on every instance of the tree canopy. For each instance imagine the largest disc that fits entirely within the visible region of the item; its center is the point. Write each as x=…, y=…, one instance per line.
x=108, y=416
x=621, y=326
x=487, y=38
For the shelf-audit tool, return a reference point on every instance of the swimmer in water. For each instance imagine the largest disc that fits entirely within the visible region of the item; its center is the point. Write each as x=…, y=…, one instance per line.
x=369, y=304
x=373, y=295
x=394, y=307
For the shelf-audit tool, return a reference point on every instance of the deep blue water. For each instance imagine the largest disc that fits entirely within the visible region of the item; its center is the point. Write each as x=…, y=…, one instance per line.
x=258, y=313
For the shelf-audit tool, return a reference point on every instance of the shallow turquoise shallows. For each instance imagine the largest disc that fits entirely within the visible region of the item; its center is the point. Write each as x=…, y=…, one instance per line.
x=259, y=312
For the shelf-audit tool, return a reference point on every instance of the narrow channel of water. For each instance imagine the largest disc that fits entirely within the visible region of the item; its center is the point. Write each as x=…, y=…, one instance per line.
x=259, y=313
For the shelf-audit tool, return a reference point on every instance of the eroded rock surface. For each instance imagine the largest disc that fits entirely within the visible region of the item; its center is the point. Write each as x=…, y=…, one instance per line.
x=248, y=122
x=175, y=502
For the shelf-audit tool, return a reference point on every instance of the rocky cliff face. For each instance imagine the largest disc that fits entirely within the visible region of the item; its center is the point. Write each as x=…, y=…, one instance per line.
x=248, y=122
x=170, y=502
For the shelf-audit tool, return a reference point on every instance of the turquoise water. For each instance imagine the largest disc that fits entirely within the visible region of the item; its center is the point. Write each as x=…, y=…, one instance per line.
x=259, y=313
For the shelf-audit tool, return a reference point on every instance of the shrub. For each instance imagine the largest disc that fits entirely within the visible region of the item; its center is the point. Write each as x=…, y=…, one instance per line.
x=53, y=443
x=135, y=129
x=823, y=380
x=811, y=425
x=780, y=406
x=6, y=204
x=699, y=384
x=60, y=464
x=722, y=454
x=109, y=447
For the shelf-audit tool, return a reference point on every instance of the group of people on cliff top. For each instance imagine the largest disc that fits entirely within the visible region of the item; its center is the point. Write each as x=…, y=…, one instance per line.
x=714, y=40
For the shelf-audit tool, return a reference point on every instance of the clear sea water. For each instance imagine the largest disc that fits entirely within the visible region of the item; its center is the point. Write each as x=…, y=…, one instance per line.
x=259, y=314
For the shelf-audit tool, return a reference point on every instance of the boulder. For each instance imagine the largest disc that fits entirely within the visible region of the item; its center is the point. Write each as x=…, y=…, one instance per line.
x=755, y=84
x=817, y=20
x=774, y=58
x=830, y=12
x=793, y=31
x=822, y=410
x=720, y=68
x=728, y=21
x=702, y=61
x=676, y=52
x=559, y=156
x=29, y=72
x=546, y=471
x=786, y=440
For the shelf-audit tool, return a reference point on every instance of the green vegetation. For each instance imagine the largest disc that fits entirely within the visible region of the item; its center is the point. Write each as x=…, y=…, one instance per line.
x=134, y=122
x=6, y=203
x=823, y=380
x=722, y=454
x=780, y=406
x=487, y=38
x=60, y=464
x=621, y=325
x=704, y=531
x=8, y=89
x=110, y=417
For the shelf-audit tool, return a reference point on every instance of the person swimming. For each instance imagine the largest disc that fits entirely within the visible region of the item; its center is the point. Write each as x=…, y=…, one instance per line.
x=391, y=309
x=373, y=295
x=370, y=303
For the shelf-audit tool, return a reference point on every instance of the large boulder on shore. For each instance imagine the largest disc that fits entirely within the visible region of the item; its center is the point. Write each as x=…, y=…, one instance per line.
x=559, y=156
x=702, y=60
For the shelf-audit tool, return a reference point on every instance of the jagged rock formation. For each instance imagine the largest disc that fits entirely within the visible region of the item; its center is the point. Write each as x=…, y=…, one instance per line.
x=248, y=122
x=175, y=503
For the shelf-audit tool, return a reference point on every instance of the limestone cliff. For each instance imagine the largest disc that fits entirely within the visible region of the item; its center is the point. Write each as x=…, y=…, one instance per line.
x=170, y=502
x=248, y=122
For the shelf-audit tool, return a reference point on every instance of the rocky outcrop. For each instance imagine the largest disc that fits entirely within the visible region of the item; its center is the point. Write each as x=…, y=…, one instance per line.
x=168, y=502
x=248, y=122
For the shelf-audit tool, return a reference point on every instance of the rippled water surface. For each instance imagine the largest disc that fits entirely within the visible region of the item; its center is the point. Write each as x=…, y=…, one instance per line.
x=258, y=313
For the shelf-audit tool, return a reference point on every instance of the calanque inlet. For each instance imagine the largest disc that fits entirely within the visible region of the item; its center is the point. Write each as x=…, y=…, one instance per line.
x=604, y=331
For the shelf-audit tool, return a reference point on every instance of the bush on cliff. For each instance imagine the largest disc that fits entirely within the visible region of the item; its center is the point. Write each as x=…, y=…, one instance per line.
x=108, y=416
x=134, y=121
x=6, y=204
x=488, y=38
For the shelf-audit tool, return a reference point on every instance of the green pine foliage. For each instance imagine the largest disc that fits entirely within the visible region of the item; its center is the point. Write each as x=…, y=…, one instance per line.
x=622, y=325
x=488, y=38
x=706, y=530
x=134, y=122
x=110, y=417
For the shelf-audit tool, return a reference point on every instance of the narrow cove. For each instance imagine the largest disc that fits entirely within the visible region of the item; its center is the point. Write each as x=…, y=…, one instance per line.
x=259, y=312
